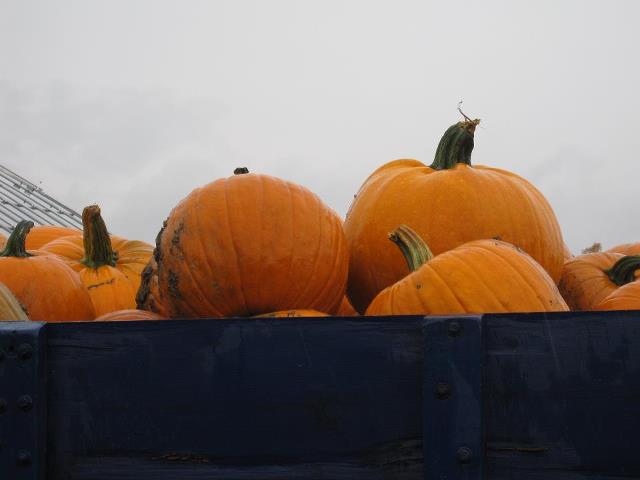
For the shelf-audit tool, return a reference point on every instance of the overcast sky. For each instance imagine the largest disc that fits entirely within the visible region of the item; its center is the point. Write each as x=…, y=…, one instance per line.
x=132, y=104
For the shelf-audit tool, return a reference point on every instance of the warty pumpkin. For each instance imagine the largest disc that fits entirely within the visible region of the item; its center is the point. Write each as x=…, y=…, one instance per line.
x=448, y=203
x=10, y=308
x=480, y=276
x=246, y=245
x=109, y=266
x=585, y=279
x=47, y=288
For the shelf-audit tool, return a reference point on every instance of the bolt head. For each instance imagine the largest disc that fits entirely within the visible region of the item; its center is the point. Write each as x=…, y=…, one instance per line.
x=464, y=454
x=24, y=458
x=455, y=328
x=25, y=351
x=443, y=391
x=25, y=403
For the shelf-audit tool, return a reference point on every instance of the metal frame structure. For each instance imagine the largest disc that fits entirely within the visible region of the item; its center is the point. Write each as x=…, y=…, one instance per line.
x=22, y=200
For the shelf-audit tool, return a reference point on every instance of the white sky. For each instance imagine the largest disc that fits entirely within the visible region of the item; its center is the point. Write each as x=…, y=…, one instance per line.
x=132, y=104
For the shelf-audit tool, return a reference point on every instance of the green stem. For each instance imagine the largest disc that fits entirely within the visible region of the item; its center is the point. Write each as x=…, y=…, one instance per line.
x=15, y=246
x=97, y=243
x=623, y=271
x=416, y=252
x=455, y=145
x=241, y=171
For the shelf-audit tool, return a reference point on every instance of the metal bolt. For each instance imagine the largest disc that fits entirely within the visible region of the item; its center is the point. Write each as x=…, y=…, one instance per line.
x=3, y=406
x=25, y=351
x=455, y=328
x=24, y=458
x=443, y=391
x=464, y=454
x=25, y=403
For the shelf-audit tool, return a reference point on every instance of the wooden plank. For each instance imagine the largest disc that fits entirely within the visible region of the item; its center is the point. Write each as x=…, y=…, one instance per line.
x=452, y=398
x=273, y=393
x=562, y=396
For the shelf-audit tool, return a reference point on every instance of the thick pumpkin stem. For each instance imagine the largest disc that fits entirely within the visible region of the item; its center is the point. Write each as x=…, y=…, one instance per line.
x=416, y=252
x=97, y=243
x=241, y=171
x=623, y=271
x=15, y=246
x=455, y=145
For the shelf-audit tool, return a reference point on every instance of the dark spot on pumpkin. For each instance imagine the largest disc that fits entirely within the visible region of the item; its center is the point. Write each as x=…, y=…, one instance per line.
x=419, y=286
x=497, y=237
x=173, y=285
x=175, y=239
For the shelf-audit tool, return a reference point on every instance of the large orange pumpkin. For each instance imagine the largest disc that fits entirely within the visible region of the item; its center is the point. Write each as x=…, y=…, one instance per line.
x=477, y=277
x=48, y=289
x=250, y=244
x=448, y=204
x=40, y=235
x=585, y=281
x=109, y=266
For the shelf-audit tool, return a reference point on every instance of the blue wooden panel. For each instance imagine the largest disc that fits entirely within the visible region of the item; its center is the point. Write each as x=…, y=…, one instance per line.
x=312, y=398
x=22, y=400
x=452, y=396
x=562, y=396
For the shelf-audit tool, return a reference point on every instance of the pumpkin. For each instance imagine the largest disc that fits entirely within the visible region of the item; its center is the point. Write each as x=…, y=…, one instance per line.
x=585, y=281
x=109, y=266
x=148, y=296
x=477, y=277
x=625, y=274
x=40, y=235
x=448, y=203
x=626, y=249
x=48, y=289
x=346, y=309
x=129, y=314
x=10, y=308
x=294, y=313
x=246, y=245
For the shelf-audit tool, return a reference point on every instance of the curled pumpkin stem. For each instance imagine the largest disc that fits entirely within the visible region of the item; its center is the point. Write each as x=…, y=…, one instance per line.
x=623, y=271
x=414, y=249
x=97, y=242
x=15, y=246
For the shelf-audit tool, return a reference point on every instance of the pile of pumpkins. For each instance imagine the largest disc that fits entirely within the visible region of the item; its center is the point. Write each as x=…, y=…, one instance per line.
x=448, y=238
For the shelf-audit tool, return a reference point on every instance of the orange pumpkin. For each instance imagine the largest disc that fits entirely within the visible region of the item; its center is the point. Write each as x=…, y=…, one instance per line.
x=109, y=266
x=477, y=277
x=626, y=249
x=585, y=281
x=294, y=313
x=346, y=309
x=250, y=244
x=148, y=296
x=448, y=203
x=625, y=274
x=129, y=314
x=10, y=308
x=45, y=286
x=40, y=235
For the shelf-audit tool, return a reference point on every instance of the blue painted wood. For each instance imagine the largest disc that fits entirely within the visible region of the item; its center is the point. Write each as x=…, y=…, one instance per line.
x=22, y=400
x=315, y=398
x=452, y=396
x=562, y=396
